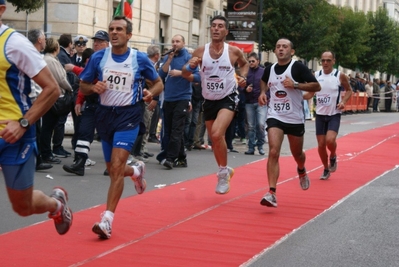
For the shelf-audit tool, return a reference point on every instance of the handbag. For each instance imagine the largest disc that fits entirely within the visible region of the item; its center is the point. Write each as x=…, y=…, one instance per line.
x=63, y=105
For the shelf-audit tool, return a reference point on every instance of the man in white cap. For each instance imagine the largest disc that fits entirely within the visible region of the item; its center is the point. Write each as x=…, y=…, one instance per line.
x=80, y=45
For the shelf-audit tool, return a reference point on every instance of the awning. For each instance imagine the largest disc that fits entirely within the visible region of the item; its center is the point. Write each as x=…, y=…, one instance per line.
x=246, y=47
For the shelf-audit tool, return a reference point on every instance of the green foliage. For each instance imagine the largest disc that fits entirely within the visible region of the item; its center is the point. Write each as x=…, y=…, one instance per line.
x=381, y=42
x=29, y=6
x=353, y=36
x=369, y=42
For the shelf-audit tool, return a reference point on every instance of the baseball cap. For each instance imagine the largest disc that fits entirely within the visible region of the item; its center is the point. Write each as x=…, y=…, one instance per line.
x=2, y=2
x=79, y=39
x=102, y=35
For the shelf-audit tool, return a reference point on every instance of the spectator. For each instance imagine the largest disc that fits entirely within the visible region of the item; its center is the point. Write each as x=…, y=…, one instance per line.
x=176, y=103
x=50, y=118
x=256, y=114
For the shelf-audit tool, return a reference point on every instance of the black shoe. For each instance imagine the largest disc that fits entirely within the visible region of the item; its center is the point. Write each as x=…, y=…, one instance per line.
x=148, y=155
x=106, y=173
x=43, y=166
x=153, y=139
x=59, y=153
x=78, y=167
x=180, y=163
x=232, y=150
x=249, y=152
x=51, y=160
x=66, y=152
x=168, y=164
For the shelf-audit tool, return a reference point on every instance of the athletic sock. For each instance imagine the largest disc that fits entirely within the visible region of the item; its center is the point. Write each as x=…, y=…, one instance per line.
x=136, y=172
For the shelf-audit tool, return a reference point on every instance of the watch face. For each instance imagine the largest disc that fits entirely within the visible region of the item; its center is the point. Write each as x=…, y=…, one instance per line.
x=24, y=123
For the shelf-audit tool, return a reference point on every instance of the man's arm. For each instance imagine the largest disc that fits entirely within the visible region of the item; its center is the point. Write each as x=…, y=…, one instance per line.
x=192, y=65
x=155, y=88
x=262, y=99
x=13, y=131
x=89, y=88
x=348, y=90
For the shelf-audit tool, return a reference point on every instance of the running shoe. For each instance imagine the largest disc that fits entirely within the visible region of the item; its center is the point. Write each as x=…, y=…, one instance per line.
x=223, y=185
x=269, y=200
x=325, y=175
x=304, y=181
x=139, y=182
x=103, y=229
x=63, y=218
x=333, y=164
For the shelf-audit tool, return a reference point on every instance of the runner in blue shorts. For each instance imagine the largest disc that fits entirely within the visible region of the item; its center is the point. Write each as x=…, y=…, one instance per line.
x=17, y=126
x=120, y=72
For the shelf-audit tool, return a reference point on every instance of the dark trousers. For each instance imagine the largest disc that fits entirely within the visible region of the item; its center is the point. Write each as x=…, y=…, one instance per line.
x=191, y=123
x=375, y=103
x=388, y=104
x=49, y=122
x=87, y=126
x=230, y=132
x=154, y=122
x=174, y=120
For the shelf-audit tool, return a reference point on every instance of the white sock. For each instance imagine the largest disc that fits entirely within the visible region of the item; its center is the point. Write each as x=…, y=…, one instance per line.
x=136, y=172
x=59, y=206
x=222, y=168
x=109, y=215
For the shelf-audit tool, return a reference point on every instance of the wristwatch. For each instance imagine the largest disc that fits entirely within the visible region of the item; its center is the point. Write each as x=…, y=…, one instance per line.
x=24, y=123
x=296, y=85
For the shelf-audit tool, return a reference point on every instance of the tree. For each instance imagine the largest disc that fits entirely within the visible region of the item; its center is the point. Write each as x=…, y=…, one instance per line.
x=29, y=6
x=306, y=23
x=353, y=36
x=382, y=42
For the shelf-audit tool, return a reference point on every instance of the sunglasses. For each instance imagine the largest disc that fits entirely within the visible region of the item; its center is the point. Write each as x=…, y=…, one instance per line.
x=80, y=44
x=251, y=61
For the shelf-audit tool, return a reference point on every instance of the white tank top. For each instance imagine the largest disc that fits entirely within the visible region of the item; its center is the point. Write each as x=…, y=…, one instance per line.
x=286, y=104
x=218, y=80
x=329, y=95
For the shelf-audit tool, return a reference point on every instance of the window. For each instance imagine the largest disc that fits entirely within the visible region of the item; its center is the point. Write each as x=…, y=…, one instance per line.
x=197, y=9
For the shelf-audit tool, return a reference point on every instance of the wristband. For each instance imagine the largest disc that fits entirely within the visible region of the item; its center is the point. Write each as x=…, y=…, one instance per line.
x=189, y=68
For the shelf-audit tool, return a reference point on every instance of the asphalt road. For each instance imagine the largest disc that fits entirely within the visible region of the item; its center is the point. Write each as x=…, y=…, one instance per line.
x=373, y=243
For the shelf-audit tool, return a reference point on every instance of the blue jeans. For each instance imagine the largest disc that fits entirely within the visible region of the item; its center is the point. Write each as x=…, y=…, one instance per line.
x=256, y=119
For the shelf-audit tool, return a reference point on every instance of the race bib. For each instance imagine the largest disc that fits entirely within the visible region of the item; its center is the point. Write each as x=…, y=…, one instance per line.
x=323, y=99
x=215, y=85
x=282, y=106
x=119, y=81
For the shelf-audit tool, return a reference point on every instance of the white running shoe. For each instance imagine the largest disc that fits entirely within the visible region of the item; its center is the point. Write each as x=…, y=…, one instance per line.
x=223, y=185
x=103, y=228
x=139, y=182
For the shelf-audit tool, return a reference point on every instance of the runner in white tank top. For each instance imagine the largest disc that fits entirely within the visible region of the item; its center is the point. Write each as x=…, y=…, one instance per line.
x=286, y=104
x=329, y=96
x=286, y=80
x=217, y=76
x=329, y=106
x=216, y=61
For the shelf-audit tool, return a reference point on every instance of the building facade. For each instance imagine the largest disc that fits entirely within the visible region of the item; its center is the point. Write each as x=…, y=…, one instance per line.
x=154, y=21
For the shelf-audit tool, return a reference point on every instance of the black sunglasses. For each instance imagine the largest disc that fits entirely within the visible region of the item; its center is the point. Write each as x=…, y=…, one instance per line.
x=80, y=44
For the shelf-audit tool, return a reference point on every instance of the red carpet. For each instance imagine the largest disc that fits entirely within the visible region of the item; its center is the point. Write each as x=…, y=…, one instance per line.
x=187, y=224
